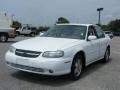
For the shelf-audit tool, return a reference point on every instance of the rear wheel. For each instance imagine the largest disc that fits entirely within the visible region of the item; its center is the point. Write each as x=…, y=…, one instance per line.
x=17, y=33
x=32, y=34
x=77, y=67
x=3, y=38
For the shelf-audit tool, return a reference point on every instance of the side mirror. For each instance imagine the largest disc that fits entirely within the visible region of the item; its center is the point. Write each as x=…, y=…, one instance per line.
x=92, y=37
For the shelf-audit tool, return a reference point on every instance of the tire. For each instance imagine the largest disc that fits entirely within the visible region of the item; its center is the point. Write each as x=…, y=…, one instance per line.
x=3, y=38
x=77, y=67
x=107, y=55
x=17, y=33
x=25, y=35
x=32, y=34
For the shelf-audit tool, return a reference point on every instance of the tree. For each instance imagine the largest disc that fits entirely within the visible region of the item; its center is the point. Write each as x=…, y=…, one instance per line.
x=16, y=24
x=114, y=25
x=43, y=28
x=62, y=20
x=105, y=27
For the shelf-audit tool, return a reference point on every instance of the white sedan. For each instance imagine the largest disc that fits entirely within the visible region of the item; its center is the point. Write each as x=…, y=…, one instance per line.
x=63, y=49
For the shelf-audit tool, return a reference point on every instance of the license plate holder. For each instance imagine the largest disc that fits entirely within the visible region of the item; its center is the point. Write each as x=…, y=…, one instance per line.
x=22, y=61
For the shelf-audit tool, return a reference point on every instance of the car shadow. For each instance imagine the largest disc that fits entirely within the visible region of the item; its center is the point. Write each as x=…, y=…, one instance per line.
x=9, y=42
x=43, y=79
x=94, y=67
x=56, y=80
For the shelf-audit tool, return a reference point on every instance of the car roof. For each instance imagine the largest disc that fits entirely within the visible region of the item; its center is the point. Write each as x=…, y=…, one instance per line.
x=77, y=24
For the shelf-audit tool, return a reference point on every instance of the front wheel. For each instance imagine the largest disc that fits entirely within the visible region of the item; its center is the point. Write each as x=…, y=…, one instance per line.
x=107, y=55
x=77, y=67
x=3, y=38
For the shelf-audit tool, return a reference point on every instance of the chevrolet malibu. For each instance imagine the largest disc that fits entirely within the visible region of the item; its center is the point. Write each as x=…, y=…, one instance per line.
x=63, y=49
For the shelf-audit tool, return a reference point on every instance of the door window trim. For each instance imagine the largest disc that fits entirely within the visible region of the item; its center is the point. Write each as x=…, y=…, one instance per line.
x=94, y=32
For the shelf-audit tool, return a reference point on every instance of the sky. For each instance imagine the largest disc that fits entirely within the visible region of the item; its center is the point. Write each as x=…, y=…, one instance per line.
x=46, y=12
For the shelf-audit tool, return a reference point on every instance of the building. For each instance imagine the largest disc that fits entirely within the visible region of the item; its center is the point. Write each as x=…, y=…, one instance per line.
x=5, y=20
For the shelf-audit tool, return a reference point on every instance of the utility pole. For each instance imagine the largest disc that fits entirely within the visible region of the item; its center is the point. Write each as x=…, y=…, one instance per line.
x=99, y=10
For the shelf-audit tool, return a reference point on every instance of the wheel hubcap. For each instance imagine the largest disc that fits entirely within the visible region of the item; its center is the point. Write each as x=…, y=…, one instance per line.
x=78, y=67
x=33, y=34
x=17, y=34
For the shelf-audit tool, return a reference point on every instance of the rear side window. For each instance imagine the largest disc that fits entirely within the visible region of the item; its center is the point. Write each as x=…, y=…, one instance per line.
x=100, y=32
x=26, y=28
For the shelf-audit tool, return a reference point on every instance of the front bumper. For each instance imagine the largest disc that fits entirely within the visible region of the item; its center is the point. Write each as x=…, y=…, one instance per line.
x=40, y=65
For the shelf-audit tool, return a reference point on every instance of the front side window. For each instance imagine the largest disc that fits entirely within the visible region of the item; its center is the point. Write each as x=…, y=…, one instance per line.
x=91, y=31
x=67, y=31
x=26, y=28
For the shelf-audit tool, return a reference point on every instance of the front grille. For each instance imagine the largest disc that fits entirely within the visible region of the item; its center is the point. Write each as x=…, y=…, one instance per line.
x=26, y=67
x=27, y=53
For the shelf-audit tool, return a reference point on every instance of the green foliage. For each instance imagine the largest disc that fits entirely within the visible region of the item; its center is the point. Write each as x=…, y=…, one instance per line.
x=114, y=25
x=59, y=21
x=16, y=24
x=105, y=27
x=43, y=28
x=62, y=20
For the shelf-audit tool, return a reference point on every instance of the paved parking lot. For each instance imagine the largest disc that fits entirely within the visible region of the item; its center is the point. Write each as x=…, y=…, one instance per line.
x=98, y=76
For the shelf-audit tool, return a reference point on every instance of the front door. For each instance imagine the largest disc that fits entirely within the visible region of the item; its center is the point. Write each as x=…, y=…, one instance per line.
x=92, y=46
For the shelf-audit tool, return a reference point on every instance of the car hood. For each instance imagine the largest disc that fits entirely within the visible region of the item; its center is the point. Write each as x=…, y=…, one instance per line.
x=45, y=44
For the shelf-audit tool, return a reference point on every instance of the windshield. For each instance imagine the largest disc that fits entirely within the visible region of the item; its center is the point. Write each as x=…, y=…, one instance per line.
x=67, y=31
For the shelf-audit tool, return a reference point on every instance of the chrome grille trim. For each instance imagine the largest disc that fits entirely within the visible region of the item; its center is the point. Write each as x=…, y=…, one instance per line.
x=27, y=53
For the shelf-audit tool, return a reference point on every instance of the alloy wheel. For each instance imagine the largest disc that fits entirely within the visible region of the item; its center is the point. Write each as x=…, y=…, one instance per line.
x=78, y=67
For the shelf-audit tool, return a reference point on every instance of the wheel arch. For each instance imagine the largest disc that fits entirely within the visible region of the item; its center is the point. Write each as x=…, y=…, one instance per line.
x=83, y=56
x=18, y=32
x=32, y=32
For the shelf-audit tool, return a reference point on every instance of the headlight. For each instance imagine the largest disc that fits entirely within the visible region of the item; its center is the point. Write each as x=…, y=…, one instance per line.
x=53, y=54
x=12, y=49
